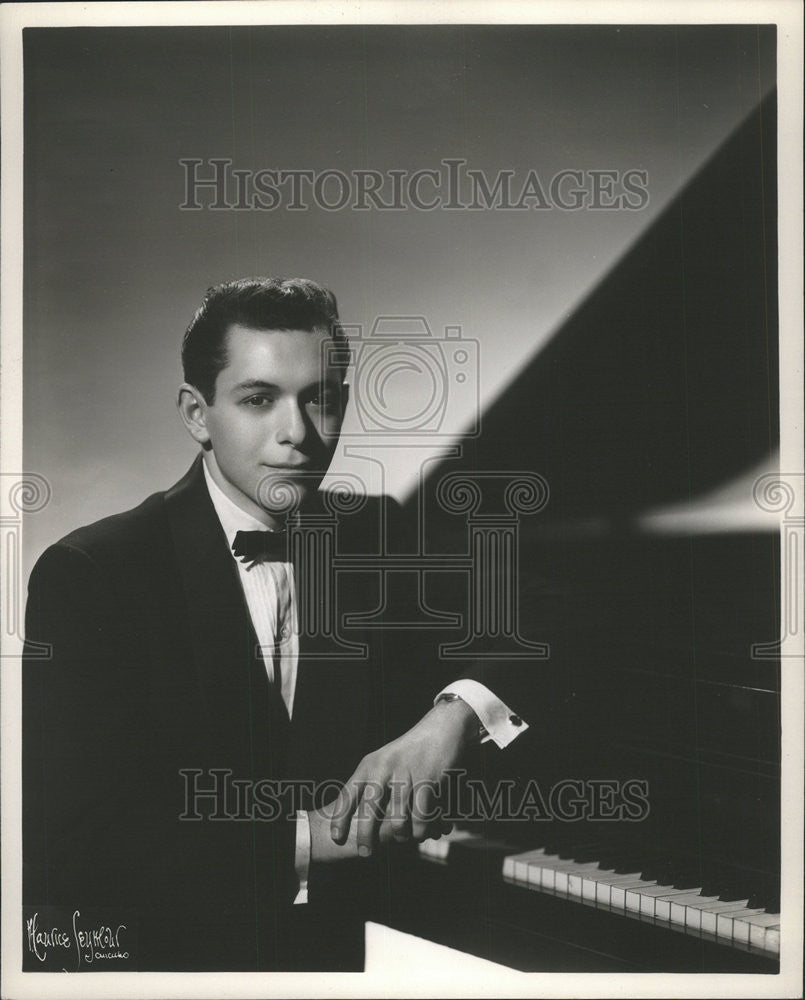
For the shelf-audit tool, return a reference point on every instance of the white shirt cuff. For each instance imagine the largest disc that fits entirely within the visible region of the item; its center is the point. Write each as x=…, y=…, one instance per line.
x=302, y=854
x=501, y=724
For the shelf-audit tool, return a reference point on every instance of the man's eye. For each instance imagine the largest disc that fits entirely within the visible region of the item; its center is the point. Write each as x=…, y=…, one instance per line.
x=323, y=400
x=257, y=401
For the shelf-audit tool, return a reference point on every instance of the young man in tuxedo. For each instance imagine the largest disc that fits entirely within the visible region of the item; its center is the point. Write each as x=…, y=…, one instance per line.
x=177, y=667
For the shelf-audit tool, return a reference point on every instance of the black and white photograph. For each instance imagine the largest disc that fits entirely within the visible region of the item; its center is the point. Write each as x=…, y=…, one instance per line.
x=402, y=499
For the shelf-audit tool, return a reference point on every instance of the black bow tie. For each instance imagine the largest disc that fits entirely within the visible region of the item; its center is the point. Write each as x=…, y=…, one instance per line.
x=251, y=546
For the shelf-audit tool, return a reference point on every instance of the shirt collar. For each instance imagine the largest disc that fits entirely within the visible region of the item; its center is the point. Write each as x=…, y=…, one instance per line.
x=233, y=518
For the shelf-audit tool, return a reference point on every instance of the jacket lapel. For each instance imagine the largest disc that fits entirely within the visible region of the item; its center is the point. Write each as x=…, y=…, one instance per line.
x=333, y=702
x=230, y=684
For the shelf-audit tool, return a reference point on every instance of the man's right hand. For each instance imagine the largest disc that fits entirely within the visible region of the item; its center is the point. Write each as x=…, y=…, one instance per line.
x=323, y=849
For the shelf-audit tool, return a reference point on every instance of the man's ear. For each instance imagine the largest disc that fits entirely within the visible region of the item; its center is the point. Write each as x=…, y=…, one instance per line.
x=193, y=411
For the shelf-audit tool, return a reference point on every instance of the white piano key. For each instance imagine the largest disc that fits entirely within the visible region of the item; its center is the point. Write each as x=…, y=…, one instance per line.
x=606, y=878
x=676, y=905
x=515, y=866
x=563, y=875
x=743, y=926
x=763, y=934
x=527, y=867
x=550, y=868
x=590, y=884
x=643, y=901
x=433, y=849
x=535, y=872
x=577, y=880
x=693, y=911
x=725, y=922
x=729, y=921
x=704, y=917
x=439, y=850
x=767, y=938
x=710, y=914
x=620, y=882
x=525, y=864
x=603, y=885
x=617, y=896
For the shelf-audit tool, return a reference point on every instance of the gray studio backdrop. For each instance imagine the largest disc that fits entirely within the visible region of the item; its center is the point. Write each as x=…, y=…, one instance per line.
x=115, y=266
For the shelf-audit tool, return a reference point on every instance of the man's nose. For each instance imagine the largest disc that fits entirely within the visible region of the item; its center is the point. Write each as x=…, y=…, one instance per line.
x=292, y=428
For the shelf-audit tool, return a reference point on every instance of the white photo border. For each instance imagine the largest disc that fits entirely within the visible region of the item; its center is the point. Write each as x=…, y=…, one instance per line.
x=403, y=980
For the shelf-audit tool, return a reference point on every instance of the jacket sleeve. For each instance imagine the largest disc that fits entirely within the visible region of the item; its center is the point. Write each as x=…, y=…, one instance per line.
x=79, y=762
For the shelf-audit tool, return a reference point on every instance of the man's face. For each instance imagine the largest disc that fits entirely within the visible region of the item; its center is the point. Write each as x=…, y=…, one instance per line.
x=276, y=416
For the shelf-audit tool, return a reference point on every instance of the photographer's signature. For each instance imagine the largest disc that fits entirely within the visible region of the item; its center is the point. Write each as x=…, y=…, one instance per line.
x=91, y=943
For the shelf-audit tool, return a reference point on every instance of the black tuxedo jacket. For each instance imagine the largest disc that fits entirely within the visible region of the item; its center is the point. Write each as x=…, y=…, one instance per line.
x=154, y=683
x=153, y=672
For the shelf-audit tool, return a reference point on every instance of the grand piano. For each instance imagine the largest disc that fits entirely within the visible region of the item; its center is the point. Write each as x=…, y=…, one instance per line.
x=650, y=415
x=676, y=703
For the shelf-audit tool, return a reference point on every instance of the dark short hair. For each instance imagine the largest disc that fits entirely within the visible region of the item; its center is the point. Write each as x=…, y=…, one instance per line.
x=261, y=303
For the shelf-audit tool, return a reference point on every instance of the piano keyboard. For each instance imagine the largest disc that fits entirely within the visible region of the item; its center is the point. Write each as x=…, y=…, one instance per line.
x=682, y=907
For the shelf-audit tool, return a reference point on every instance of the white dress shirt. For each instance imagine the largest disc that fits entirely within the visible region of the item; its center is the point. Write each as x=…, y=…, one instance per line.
x=270, y=592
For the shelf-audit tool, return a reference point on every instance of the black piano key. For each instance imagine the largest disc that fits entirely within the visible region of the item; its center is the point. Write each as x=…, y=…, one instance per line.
x=767, y=898
x=580, y=849
x=585, y=854
x=732, y=895
x=729, y=886
x=681, y=874
x=657, y=867
x=762, y=890
x=592, y=850
x=581, y=852
x=621, y=863
x=668, y=873
x=681, y=879
x=714, y=887
x=615, y=851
